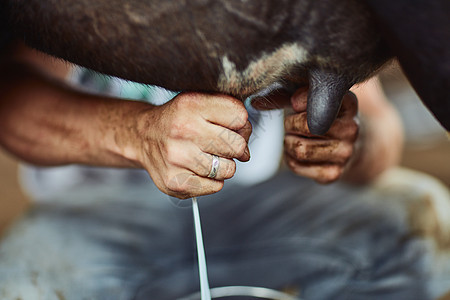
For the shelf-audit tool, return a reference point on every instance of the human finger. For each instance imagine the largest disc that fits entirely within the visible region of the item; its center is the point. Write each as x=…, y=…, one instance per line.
x=212, y=138
x=225, y=111
x=202, y=165
x=182, y=156
x=297, y=124
x=349, y=104
x=306, y=150
x=225, y=143
x=322, y=173
x=184, y=184
x=346, y=124
x=346, y=129
x=246, y=131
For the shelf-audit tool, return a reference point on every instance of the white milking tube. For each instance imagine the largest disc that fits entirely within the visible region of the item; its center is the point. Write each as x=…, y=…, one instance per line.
x=203, y=272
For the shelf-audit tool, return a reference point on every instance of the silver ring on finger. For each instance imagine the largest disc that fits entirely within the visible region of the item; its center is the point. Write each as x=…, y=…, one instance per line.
x=214, y=167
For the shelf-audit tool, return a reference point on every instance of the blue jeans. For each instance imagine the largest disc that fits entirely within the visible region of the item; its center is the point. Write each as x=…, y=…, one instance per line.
x=132, y=242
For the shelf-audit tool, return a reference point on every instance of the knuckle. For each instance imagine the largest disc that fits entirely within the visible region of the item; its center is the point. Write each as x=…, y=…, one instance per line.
x=188, y=100
x=176, y=129
x=172, y=155
x=190, y=129
x=182, y=129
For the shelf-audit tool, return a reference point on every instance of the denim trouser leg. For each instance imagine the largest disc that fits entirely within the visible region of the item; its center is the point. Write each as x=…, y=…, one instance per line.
x=332, y=242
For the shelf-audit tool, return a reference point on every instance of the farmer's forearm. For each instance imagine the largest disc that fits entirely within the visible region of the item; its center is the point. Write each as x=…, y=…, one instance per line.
x=381, y=135
x=46, y=122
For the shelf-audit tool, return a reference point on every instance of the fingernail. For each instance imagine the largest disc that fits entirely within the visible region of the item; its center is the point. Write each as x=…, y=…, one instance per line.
x=247, y=152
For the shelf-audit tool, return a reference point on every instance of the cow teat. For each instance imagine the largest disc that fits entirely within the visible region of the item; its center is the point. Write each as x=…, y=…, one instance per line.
x=326, y=90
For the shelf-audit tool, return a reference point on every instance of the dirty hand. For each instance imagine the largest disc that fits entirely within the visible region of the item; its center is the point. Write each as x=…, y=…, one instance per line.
x=181, y=137
x=322, y=158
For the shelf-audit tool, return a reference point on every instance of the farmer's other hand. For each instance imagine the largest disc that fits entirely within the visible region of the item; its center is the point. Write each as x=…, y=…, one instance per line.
x=322, y=158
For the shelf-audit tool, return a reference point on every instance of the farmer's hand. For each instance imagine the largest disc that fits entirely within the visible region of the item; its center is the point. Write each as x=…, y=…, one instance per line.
x=174, y=142
x=182, y=136
x=322, y=158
